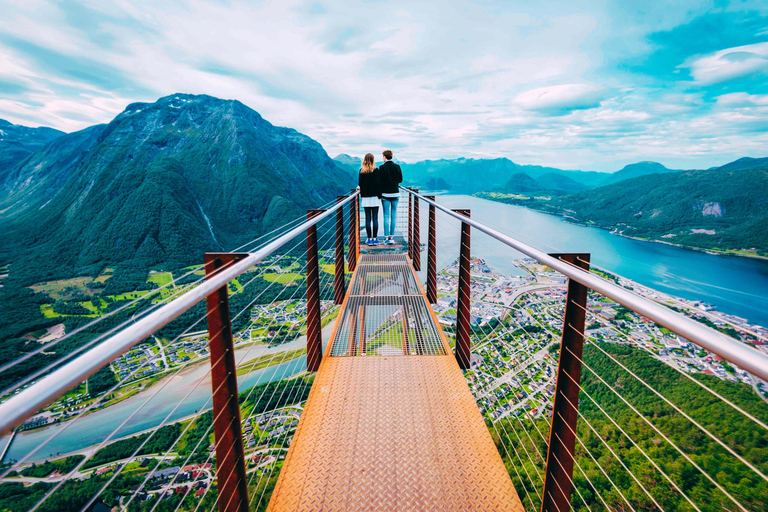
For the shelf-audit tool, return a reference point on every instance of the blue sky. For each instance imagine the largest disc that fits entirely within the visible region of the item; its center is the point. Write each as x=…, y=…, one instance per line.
x=581, y=85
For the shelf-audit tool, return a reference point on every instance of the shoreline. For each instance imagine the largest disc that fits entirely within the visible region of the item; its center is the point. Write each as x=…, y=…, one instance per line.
x=714, y=252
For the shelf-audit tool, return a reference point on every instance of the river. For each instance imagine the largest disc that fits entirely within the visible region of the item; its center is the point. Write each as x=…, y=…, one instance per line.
x=736, y=285
x=153, y=404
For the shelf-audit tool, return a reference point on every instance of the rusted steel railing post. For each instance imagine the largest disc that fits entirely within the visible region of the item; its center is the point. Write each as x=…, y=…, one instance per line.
x=463, y=354
x=230, y=456
x=416, y=234
x=339, y=278
x=314, y=327
x=558, y=485
x=354, y=229
x=410, y=226
x=357, y=231
x=431, y=255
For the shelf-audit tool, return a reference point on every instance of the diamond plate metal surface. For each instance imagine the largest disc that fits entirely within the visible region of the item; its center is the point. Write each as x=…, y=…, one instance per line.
x=392, y=433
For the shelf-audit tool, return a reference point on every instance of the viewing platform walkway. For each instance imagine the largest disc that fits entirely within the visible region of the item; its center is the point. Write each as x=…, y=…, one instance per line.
x=390, y=423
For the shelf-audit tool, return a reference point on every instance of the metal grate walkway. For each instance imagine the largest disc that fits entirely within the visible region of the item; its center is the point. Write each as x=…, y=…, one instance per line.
x=391, y=433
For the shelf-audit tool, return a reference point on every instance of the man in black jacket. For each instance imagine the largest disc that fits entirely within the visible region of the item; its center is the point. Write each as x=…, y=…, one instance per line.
x=390, y=176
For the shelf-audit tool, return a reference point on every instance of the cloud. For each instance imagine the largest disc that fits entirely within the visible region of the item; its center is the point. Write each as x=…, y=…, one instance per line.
x=573, y=83
x=730, y=64
x=561, y=99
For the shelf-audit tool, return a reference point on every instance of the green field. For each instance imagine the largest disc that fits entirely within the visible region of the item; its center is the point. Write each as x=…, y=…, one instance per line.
x=48, y=312
x=282, y=278
x=161, y=278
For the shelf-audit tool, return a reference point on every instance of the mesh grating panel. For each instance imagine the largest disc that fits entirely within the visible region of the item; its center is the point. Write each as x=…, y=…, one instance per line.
x=383, y=259
x=384, y=279
x=386, y=325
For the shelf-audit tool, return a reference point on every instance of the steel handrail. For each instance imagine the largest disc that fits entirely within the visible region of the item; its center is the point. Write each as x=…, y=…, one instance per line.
x=734, y=351
x=29, y=401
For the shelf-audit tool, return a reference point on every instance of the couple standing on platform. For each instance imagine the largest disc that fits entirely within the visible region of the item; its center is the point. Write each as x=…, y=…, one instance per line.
x=379, y=186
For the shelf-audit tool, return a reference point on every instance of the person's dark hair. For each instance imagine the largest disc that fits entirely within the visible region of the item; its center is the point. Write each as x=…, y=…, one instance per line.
x=387, y=154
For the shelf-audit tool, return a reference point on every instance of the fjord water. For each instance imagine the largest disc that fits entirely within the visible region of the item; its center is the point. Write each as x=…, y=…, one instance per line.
x=736, y=285
x=190, y=388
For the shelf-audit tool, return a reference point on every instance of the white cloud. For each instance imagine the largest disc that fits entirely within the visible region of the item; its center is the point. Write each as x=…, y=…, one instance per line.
x=437, y=79
x=561, y=99
x=729, y=64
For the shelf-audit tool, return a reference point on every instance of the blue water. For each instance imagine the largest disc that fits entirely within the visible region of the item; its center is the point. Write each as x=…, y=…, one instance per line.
x=94, y=428
x=736, y=285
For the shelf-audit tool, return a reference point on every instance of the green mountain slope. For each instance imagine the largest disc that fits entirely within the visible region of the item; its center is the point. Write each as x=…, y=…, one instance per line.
x=159, y=185
x=18, y=142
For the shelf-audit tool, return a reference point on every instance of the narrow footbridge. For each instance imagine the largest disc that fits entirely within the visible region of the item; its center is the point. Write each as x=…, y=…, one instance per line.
x=381, y=416
x=390, y=423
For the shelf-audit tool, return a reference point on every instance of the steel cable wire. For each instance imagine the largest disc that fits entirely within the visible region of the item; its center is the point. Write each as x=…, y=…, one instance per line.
x=211, y=454
x=545, y=440
x=69, y=424
x=95, y=321
x=626, y=435
x=244, y=356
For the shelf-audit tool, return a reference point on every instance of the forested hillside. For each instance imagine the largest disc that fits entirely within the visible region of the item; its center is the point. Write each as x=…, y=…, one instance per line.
x=159, y=185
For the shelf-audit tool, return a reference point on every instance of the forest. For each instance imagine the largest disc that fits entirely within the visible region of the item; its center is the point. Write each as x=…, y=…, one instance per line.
x=615, y=443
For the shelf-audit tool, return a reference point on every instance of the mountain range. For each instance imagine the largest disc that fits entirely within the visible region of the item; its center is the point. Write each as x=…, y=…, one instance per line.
x=164, y=182
x=159, y=185
x=502, y=174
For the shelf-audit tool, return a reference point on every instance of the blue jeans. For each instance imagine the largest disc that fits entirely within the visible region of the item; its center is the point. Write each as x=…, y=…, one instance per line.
x=390, y=215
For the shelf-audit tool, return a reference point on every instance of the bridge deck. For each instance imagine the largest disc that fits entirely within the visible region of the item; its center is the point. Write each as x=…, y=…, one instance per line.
x=393, y=427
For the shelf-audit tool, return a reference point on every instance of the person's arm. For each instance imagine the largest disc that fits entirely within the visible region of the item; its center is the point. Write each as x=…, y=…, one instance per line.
x=399, y=175
x=377, y=181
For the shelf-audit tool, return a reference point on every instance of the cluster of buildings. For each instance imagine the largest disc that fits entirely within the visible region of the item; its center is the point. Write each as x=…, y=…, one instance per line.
x=193, y=479
x=514, y=361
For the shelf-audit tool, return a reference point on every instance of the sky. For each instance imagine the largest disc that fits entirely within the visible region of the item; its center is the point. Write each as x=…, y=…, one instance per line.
x=591, y=85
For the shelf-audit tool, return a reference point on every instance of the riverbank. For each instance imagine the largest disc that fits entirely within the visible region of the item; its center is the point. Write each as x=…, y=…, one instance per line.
x=519, y=200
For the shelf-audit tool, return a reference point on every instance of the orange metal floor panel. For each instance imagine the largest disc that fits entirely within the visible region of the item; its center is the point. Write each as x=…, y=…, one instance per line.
x=392, y=433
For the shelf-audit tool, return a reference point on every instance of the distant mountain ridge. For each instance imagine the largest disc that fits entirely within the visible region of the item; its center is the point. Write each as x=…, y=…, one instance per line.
x=546, y=184
x=472, y=175
x=745, y=163
x=722, y=209
x=161, y=184
x=635, y=171
x=18, y=142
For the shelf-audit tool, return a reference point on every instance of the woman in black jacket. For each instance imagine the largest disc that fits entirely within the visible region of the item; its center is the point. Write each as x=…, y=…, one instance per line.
x=370, y=191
